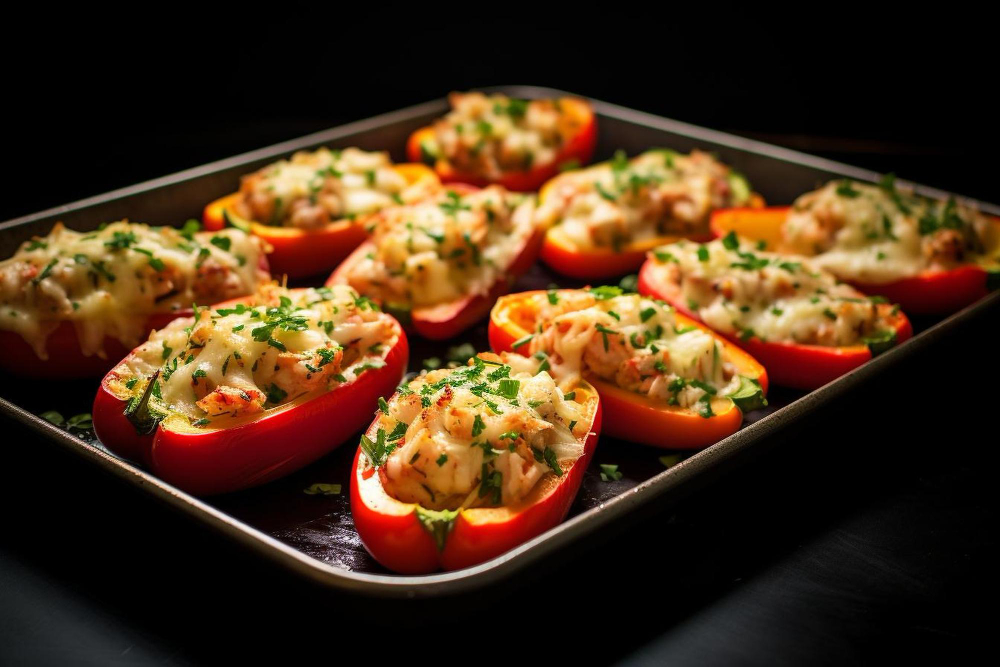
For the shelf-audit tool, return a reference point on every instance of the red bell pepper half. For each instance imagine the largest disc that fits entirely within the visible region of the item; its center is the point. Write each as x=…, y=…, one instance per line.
x=789, y=364
x=447, y=320
x=638, y=418
x=66, y=358
x=406, y=538
x=928, y=292
x=578, y=149
x=255, y=450
x=299, y=253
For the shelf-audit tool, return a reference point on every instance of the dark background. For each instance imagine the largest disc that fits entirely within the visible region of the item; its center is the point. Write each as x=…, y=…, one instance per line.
x=870, y=535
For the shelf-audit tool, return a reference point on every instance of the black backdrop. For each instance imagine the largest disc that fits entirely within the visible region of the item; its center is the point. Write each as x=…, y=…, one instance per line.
x=870, y=535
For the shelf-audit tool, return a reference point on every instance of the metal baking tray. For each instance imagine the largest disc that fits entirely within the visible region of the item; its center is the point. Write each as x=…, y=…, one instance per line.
x=313, y=536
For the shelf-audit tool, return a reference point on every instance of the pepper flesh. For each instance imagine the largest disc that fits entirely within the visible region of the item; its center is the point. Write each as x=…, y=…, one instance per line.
x=254, y=450
x=394, y=535
x=927, y=293
x=629, y=415
x=299, y=253
x=579, y=148
x=788, y=364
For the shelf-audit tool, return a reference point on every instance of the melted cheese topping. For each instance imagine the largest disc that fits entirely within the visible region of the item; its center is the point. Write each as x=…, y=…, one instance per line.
x=313, y=189
x=633, y=342
x=878, y=234
x=444, y=248
x=738, y=290
x=108, y=282
x=231, y=362
x=657, y=193
x=491, y=135
x=482, y=435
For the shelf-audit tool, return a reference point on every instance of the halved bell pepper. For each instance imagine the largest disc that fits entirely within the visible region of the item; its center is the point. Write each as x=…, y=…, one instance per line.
x=66, y=360
x=298, y=252
x=256, y=449
x=578, y=149
x=638, y=418
x=406, y=538
x=565, y=257
x=790, y=364
x=447, y=320
x=928, y=292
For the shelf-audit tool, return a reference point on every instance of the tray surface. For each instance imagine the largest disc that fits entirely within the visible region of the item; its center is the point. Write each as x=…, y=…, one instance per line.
x=314, y=534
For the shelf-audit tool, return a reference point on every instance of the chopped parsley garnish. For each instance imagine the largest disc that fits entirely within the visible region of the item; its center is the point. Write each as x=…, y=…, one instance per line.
x=378, y=451
x=522, y=341
x=321, y=489
x=610, y=472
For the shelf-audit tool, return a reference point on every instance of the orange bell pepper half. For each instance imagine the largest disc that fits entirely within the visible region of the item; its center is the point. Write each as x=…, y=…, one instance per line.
x=927, y=293
x=578, y=149
x=408, y=539
x=789, y=364
x=254, y=450
x=300, y=253
x=629, y=415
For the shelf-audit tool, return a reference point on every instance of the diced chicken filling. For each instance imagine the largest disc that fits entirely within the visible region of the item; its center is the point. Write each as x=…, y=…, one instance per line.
x=313, y=189
x=491, y=135
x=739, y=290
x=880, y=233
x=444, y=248
x=633, y=342
x=657, y=193
x=483, y=435
x=231, y=362
x=108, y=282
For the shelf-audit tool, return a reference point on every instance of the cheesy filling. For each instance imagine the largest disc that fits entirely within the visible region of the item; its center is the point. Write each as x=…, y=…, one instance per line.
x=477, y=436
x=657, y=193
x=227, y=363
x=736, y=289
x=491, y=135
x=108, y=282
x=633, y=342
x=444, y=248
x=313, y=189
x=880, y=233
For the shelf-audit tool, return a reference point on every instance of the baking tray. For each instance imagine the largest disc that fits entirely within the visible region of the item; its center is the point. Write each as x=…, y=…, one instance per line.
x=313, y=536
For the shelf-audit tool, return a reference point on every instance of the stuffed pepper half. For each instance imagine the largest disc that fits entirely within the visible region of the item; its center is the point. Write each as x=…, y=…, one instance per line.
x=930, y=256
x=602, y=220
x=461, y=465
x=71, y=303
x=441, y=263
x=313, y=208
x=518, y=144
x=792, y=316
x=664, y=379
x=252, y=389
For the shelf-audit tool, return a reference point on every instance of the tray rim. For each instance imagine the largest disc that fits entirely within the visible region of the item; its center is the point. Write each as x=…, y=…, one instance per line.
x=671, y=480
